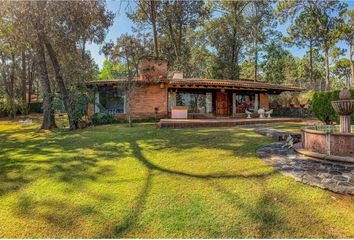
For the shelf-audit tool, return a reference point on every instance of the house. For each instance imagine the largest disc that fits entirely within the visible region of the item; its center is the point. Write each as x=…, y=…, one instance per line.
x=154, y=94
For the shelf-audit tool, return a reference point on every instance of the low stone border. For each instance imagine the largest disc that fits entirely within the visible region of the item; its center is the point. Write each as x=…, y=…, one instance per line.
x=271, y=132
x=298, y=148
x=220, y=122
x=336, y=177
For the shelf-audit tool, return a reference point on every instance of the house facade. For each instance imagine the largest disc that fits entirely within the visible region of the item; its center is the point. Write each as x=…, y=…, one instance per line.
x=154, y=94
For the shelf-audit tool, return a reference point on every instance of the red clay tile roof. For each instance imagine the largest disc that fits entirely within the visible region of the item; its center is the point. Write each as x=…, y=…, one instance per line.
x=242, y=83
x=233, y=83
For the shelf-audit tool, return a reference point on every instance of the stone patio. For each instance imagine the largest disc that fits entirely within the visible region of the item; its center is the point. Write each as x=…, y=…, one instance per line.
x=336, y=177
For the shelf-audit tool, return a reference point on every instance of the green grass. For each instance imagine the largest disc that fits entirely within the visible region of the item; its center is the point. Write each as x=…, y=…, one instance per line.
x=112, y=182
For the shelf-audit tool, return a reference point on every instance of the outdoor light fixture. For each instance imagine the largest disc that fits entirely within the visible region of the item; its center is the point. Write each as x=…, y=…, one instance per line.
x=162, y=85
x=222, y=90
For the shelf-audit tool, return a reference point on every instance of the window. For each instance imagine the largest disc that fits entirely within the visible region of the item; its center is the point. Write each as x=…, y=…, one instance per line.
x=112, y=102
x=244, y=102
x=196, y=102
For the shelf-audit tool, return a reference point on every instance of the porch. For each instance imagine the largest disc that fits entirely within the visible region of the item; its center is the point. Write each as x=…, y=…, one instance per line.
x=212, y=103
x=220, y=122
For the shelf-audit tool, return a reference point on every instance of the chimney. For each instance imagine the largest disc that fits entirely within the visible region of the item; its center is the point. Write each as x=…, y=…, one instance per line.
x=153, y=69
x=177, y=75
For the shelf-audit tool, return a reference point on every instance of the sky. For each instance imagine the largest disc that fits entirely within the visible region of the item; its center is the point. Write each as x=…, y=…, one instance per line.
x=123, y=25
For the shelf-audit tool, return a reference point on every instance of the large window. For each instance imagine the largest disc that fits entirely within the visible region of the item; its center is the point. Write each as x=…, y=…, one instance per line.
x=244, y=102
x=112, y=102
x=196, y=102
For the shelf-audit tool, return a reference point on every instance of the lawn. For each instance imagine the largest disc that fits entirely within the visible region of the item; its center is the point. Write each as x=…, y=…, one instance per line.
x=294, y=127
x=112, y=181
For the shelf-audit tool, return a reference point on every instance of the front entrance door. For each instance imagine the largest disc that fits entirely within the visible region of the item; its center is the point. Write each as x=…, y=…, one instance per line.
x=222, y=108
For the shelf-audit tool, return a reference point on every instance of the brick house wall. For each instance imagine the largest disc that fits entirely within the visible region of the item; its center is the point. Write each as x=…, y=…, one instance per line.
x=146, y=98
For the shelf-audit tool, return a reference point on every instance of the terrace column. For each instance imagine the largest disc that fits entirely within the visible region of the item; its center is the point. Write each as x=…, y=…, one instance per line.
x=209, y=102
x=97, y=102
x=256, y=102
x=171, y=100
x=233, y=103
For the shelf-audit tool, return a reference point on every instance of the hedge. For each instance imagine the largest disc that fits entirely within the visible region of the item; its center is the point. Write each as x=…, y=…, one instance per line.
x=35, y=107
x=322, y=107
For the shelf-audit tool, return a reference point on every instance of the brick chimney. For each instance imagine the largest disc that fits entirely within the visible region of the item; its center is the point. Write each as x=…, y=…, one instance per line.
x=152, y=69
x=177, y=75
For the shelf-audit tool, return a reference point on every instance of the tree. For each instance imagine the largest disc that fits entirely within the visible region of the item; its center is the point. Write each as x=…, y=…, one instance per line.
x=48, y=111
x=259, y=16
x=316, y=24
x=178, y=21
x=247, y=70
x=342, y=69
x=347, y=30
x=275, y=64
x=56, y=32
x=173, y=26
x=304, y=70
x=328, y=21
x=112, y=71
x=302, y=31
x=227, y=34
x=127, y=50
x=301, y=34
x=201, y=59
x=147, y=13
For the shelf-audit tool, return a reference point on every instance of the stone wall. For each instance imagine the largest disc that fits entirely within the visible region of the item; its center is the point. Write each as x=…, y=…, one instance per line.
x=292, y=112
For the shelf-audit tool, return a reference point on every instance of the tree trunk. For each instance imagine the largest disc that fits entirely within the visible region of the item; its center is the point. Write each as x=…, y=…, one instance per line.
x=24, y=82
x=351, y=62
x=256, y=57
x=48, y=112
x=311, y=65
x=129, y=90
x=83, y=49
x=154, y=29
x=12, y=112
x=60, y=81
x=30, y=83
x=328, y=82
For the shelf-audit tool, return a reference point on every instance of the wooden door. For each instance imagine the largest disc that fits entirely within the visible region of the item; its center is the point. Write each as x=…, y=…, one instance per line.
x=222, y=108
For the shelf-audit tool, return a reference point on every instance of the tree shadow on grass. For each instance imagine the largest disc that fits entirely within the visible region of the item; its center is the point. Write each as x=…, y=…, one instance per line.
x=55, y=212
x=131, y=219
x=262, y=213
x=138, y=155
x=11, y=177
x=59, y=157
x=86, y=168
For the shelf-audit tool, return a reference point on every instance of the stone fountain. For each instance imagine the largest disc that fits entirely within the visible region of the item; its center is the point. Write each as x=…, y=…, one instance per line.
x=324, y=141
x=344, y=107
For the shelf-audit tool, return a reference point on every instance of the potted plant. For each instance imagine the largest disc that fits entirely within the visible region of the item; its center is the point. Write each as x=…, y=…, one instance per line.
x=294, y=101
x=304, y=98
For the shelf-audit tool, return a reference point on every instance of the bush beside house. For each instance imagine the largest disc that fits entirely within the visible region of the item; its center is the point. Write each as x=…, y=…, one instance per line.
x=322, y=107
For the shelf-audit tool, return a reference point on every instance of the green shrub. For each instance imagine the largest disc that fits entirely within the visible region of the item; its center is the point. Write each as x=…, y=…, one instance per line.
x=35, y=107
x=322, y=107
x=101, y=119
